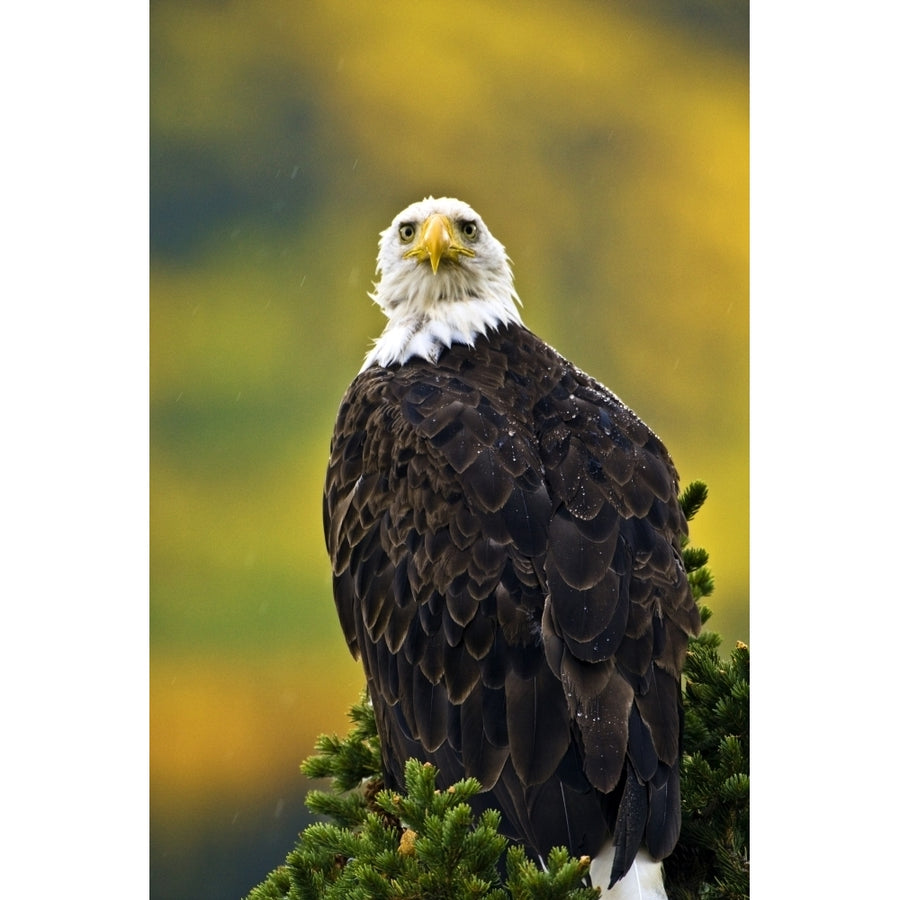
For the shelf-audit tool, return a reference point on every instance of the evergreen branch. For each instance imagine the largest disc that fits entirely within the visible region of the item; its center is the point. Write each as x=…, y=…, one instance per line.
x=692, y=498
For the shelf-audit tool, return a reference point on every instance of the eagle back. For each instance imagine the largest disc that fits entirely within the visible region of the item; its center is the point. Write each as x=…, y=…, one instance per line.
x=505, y=540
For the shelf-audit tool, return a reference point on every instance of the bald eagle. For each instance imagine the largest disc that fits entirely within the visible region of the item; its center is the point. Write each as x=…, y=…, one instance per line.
x=505, y=542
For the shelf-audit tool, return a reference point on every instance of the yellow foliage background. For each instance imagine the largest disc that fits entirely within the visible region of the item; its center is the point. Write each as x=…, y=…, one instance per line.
x=606, y=145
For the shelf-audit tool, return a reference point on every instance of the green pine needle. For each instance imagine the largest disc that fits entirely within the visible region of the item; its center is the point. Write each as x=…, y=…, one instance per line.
x=692, y=498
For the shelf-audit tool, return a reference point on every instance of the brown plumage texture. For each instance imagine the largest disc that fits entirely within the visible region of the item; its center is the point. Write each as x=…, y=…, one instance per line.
x=505, y=538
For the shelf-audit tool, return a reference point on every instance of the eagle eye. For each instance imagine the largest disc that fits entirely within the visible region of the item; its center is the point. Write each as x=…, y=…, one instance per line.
x=469, y=230
x=407, y=232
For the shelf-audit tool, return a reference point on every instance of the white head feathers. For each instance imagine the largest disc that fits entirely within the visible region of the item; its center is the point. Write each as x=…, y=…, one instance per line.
x=444, y=279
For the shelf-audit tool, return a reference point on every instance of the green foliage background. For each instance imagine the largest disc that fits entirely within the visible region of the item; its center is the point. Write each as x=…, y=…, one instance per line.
x=607, y=147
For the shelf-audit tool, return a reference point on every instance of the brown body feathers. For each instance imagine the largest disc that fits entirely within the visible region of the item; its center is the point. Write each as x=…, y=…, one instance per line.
x=505, y=537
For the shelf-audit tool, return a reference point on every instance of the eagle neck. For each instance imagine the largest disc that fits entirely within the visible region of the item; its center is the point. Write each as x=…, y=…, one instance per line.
x=425, y=330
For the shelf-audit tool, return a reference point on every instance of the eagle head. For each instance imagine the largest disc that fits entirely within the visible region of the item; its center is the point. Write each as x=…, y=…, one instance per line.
x=444, y=279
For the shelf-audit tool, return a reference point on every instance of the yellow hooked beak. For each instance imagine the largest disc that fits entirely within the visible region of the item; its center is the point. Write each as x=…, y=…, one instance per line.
x=438, y=241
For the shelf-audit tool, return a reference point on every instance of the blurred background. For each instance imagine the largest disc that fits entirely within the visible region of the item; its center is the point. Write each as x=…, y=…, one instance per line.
x=606, y=145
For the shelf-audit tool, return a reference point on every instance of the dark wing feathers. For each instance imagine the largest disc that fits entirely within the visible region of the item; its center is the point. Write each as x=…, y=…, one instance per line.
x=504, y=535
x=603, y=724
x=664, y=819
x=580, y=560
x=485, y=756
x=631, y=824
x=538, y=723
x=525, y=514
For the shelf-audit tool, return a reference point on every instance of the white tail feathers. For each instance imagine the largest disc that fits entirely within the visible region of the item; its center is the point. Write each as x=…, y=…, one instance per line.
x=643, y=881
